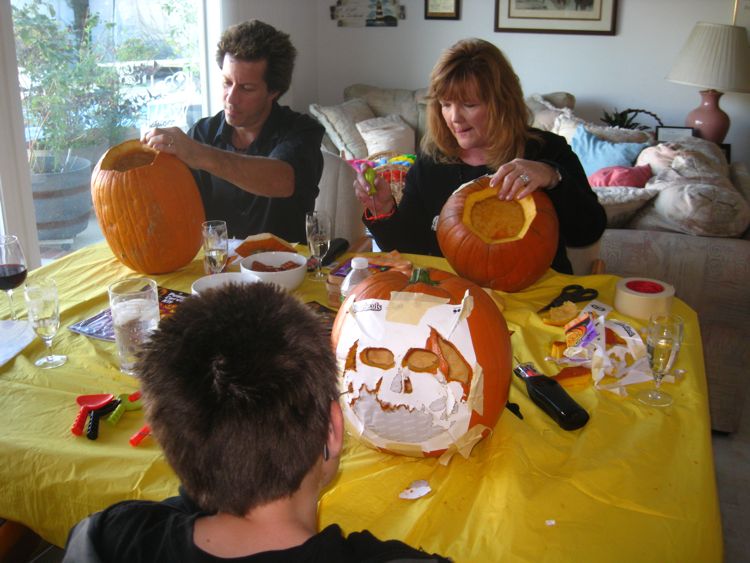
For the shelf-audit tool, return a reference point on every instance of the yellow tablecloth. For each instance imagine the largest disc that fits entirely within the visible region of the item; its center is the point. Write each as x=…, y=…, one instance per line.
x=635, y=484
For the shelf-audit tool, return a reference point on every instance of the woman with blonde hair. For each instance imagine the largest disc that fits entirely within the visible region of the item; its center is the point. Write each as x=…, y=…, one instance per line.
x=478, y=124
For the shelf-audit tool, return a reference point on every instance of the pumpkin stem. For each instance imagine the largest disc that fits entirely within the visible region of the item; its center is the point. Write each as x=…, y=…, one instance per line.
x=421, y=275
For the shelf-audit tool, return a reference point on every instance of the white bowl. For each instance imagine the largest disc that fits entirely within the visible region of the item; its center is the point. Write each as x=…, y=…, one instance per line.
x=288, y=279
x=223, y=278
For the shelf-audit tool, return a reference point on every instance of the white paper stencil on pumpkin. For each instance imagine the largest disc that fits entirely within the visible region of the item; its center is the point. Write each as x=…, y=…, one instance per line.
x=391, y=404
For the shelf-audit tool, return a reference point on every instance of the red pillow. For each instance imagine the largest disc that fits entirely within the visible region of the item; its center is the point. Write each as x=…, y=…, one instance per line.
x=631, y=176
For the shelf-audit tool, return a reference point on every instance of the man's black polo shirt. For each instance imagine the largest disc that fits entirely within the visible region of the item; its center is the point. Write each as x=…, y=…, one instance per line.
x=286, y=135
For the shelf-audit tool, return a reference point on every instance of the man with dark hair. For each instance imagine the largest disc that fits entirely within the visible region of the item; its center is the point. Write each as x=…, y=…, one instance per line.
x=240, y=389
x=257, y=164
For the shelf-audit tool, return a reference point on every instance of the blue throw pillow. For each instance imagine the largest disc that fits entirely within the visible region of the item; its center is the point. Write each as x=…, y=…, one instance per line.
x=595, y=153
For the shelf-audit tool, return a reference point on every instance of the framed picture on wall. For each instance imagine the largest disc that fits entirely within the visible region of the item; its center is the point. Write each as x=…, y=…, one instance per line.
x=666, y=134
x=442, y=9
x=586, y=17
x=742, y=14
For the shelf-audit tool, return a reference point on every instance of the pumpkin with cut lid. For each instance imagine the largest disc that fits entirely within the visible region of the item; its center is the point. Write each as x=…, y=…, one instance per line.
x=505, y=245
x=148, y=207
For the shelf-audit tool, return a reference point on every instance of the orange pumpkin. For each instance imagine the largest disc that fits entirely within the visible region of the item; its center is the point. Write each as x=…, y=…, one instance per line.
x=505, y=245
x=424, y=362
x=148, y=207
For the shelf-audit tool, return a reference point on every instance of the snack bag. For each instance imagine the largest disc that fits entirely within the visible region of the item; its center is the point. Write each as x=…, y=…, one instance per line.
x=609, y=348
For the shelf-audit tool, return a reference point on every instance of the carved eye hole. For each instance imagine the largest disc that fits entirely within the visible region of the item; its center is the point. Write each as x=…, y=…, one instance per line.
x=380, y=358
x=421, y=360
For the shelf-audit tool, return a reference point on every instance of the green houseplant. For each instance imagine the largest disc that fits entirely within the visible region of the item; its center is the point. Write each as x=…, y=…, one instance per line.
x=74, y=106
x=626, y=118
x=71, y=98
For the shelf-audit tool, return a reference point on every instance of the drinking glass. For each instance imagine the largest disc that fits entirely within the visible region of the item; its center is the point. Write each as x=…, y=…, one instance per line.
x=215, y=246
x=663, y=340
x=135, y=314
x=44, y=315
x=318, y=227
x=12, y=268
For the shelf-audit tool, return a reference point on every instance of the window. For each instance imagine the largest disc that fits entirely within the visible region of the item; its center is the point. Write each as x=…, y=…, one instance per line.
x=93, y=73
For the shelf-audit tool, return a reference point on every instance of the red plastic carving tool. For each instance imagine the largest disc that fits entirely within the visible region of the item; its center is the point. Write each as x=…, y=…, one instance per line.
x=88, y=403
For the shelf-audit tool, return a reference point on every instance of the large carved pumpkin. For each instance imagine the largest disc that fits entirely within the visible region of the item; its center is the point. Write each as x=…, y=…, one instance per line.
x=424, y=362
x=148, y=207
x=505, y=245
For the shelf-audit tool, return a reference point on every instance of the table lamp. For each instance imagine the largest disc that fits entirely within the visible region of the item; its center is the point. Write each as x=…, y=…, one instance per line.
x=716, y=57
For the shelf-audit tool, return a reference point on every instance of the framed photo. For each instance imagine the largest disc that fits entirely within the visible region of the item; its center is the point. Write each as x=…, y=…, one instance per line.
x=586, y=17
x=442, y=9
x=742, y=15
x=665, y=134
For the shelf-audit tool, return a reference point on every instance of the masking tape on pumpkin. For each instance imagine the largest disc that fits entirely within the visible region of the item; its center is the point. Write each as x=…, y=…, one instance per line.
x=642, y=297
x=409, y=308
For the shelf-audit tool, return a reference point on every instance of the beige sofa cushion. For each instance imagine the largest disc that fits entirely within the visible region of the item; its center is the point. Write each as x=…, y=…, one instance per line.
x=544, y=112
x=388, y=101
x=340, y=122
x=337, y=197
x=695, y=194
x=567, y=123
x=389, y=133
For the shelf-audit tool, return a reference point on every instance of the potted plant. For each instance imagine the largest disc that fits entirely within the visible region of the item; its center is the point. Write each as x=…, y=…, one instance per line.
x=626, y=118
x=72, y=102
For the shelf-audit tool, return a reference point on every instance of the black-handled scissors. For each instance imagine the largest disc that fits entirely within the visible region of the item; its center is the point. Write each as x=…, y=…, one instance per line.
x=575, y=293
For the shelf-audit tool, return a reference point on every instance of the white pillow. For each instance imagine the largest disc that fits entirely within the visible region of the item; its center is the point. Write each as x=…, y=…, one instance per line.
x=697, y=206
x=621, y=203
x=566, y=124
x=340, y=125
x=543, y=112
x=389, y=133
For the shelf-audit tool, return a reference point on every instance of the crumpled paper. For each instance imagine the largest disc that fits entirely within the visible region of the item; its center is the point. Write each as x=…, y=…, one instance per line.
x=615, y=366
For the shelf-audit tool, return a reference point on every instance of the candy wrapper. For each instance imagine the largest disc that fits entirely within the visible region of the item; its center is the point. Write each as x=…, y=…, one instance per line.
x=613, y=350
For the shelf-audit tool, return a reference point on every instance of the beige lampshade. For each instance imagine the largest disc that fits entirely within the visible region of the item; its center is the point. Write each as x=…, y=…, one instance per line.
x=715, y=56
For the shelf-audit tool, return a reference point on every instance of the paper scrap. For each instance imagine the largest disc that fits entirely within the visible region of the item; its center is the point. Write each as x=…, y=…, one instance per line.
x=416, y=490
x=14, y=337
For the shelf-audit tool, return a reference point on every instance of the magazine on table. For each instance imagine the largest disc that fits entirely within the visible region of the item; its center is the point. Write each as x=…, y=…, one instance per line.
x=100, y=326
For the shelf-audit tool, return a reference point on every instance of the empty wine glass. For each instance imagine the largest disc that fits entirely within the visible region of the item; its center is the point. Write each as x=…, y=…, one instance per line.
x=215, y=246
x=12, y=268
x=663, y=339
x=318, y=227
x=44, y=315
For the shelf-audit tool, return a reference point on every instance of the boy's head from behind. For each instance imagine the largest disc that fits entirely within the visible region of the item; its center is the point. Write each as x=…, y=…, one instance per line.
x=237, y=386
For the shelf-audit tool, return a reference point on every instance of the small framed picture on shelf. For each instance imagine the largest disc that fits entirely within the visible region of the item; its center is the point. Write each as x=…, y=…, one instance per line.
x=442, y=9
x=666, y=134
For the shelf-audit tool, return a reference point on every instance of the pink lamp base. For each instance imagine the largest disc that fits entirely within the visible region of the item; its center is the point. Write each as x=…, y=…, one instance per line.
x=708, y=119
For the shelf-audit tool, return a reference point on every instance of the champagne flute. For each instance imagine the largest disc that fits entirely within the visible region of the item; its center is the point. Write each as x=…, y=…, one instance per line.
x=215, y=246
x=663, y=341
x=44, y=315
x=318, y=227
x=12, y=267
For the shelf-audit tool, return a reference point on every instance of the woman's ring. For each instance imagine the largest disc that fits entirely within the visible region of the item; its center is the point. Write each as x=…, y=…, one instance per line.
x=170, y=142
x=525, y=179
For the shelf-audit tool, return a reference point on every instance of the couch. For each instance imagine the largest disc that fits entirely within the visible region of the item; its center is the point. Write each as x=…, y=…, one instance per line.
x=687, y=225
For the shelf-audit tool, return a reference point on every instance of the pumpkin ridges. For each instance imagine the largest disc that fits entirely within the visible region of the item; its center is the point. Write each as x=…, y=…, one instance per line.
x=487, y=326
x=506, y=266
x=150, y=214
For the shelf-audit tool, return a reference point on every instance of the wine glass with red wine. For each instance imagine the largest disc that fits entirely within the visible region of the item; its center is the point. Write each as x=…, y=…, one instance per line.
x=12, y=267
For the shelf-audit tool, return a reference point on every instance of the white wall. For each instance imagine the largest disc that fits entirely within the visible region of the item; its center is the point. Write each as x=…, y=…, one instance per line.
x=626, y=70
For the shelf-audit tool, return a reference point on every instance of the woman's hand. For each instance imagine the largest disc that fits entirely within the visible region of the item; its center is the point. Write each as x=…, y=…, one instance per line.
x=379, y=201
x=519, y=177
